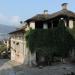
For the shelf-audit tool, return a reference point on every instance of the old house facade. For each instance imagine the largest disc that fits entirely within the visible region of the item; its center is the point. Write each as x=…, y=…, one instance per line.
x=19, y=51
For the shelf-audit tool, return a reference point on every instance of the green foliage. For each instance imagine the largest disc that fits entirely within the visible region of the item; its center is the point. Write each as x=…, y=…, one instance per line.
x=2, y=48
x=51, y=42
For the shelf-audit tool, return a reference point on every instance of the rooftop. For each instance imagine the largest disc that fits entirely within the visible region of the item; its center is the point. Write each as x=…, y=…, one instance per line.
x=45, y=16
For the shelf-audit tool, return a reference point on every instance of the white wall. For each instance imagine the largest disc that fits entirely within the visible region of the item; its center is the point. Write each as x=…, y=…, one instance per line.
x=32, y=25
x=12, y=55
x=45, y=26
x=27, y=28
x=71, y=24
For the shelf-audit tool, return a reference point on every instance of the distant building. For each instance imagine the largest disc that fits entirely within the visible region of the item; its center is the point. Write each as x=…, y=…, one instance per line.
x=1, y=42
x=19, y=52
x=6, y=42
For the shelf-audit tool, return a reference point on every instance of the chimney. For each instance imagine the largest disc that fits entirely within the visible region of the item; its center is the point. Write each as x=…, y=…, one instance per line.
x=45, y=12
x=64, y=5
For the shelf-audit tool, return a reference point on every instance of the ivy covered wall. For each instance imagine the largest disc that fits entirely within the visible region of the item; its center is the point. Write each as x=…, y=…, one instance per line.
x=51, y=42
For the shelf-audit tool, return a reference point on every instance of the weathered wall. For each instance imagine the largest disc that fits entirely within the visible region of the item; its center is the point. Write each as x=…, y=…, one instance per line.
x=19, y=52
x=17, y=48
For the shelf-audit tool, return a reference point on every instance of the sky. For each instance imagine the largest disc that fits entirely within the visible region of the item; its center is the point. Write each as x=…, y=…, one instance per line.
x=14, y=11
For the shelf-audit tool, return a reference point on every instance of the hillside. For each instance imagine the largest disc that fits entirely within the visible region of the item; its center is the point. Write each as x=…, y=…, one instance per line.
x=4, y=30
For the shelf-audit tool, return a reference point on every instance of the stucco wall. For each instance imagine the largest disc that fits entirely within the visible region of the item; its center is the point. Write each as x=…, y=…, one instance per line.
x=71, y=24
x=27, y=28
x=32, y=25
x=45, y=26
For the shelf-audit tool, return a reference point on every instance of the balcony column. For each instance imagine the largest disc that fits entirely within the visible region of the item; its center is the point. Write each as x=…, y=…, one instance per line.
x=52, y=24
x=70, y=24
x=32, y=25
x=45, y=26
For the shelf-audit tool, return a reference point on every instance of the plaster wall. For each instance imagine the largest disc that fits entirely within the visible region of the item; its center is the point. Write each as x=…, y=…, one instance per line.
x=45, y=26
x=71, y=24
x=32, y=25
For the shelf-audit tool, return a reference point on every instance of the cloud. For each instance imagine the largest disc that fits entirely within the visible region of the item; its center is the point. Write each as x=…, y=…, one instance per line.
x=9, y=20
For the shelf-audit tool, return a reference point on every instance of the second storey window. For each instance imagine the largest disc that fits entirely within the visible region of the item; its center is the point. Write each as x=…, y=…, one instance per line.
x=39, y=25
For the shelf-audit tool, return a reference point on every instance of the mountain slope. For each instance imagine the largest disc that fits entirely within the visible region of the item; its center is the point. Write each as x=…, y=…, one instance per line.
x=4, y=30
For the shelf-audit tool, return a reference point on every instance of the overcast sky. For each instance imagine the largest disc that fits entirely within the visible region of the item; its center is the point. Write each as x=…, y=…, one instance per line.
x=12, y=11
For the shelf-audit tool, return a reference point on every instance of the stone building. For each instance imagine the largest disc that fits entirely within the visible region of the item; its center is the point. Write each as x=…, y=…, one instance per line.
x=19, y=52
x=6, y=42
x=17, y=45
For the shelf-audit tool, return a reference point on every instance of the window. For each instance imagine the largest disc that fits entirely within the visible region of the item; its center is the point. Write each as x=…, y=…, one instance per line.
x=55, y=23
x=17, y=43
x=49, y=25
x=13, y=42
x=39, y=25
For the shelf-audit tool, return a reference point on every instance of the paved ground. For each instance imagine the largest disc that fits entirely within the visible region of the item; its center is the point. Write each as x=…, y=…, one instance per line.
x=11, y=68
x=6, y=68
x=60, y=69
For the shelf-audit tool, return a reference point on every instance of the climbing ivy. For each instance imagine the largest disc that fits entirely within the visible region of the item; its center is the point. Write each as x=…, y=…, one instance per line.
x=51, y=42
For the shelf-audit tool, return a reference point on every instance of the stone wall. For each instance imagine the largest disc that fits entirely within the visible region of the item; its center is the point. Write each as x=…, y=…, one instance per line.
x=17, y=47
x=19, y=51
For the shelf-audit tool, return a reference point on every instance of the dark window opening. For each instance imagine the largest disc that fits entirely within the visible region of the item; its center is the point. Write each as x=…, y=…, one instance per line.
x=55, y=23
x=38, y=25
x=17, y=43
x=14, y=42
x=67, y=23
x=49, y=25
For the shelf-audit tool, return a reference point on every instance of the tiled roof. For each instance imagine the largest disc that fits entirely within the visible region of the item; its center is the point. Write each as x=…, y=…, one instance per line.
x=44, y=17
